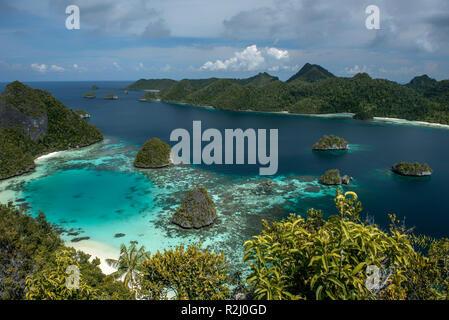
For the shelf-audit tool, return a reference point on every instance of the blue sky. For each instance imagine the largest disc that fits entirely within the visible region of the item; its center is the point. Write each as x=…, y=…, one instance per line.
x=128, y=40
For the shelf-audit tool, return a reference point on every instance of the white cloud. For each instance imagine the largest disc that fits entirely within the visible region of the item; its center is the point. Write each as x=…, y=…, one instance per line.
x=39, y=67
x=117, y=66
x=356, y=69
x=249, y=59
x=277, y=53
x=56, y=68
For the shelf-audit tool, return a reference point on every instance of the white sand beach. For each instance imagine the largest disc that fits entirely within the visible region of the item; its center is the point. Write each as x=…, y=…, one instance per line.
x=98, y=250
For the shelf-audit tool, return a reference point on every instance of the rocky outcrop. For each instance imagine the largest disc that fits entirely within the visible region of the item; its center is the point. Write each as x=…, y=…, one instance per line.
x=412, y=169
x=332, y=178
x=155, y=153
x=330, y=143
x=196, y=211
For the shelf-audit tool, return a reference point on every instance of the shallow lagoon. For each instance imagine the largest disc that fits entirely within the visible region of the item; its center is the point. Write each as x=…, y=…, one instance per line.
x=119, y=199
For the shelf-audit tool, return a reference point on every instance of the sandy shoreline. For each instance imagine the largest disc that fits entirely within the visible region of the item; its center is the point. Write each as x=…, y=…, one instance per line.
x=98, y=250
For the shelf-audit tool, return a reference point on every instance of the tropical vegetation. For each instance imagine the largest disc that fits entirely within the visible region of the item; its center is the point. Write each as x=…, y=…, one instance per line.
x=155, y=153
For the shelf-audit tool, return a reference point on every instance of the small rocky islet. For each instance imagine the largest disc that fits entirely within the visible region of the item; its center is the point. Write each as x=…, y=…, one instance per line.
x=197, y=210
x=411, y=169
x=332, y=177
x=154, y=154
x=330, y=142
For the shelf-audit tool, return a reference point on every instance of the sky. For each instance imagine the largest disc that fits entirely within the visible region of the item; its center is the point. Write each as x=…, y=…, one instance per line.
x=177, y=39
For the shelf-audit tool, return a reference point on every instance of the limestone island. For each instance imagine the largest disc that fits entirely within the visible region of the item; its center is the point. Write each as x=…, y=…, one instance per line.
x=89, y=95
x=412, y=169
x=330, y=143
x=155, y=153
x=111, y=97
x=148, y=96
x=196, y=211
x=95, y=87
x=332, y=178
x=33, y=123
x=83, y=114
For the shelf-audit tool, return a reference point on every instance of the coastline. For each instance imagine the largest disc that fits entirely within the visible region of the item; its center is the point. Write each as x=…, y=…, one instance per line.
x=342, y=115
x=98, y=250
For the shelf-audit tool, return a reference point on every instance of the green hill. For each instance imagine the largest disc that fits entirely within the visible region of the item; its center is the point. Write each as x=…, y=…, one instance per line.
x=151, y=84
x=32, y=123
x=311, y=73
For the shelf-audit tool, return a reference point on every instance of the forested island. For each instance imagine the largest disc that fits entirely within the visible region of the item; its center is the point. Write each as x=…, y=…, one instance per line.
x=111, y=97
x=155, y=153
x=330, y=142
x=196, y=211
x=33, y=123
x=312, y=90
x=89, y=95
x=415, y=169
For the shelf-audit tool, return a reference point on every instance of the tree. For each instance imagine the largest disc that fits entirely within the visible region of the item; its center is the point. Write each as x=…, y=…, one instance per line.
x=338, y=258
x=61, y=281
x=181, y=273
x=128, y=264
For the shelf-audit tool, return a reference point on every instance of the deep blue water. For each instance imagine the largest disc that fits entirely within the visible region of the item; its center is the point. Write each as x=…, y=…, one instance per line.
x=423, y=201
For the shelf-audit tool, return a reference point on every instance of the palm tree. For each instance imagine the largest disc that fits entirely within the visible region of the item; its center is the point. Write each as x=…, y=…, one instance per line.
x=128, y=263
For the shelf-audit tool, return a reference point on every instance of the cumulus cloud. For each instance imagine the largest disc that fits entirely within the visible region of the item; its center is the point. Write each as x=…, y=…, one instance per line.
x=249, y=59
x=356, y=69
x=277, y=53
x=56, y=68
x=39, y=67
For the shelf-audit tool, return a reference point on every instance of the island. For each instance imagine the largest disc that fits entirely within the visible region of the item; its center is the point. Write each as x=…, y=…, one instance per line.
x=33, y=123
x=89, y=95
x=330, y=142
x=412, y=169
x=312, y=90
x=154, y=154
x=332, y=177
x=111, y=97
x=148, y=96
x=196, y=211
x=95, y=87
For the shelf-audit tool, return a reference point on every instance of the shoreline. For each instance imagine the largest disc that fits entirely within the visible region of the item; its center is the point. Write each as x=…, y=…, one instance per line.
x=341, y=115
x=98, y=250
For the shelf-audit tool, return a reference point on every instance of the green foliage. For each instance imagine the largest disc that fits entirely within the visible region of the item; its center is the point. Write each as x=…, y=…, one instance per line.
x=15, y=157
x=128, y=264
x=197, y=209
x=155, y=153
x=26, y=246
x=149, y=96
x=311, y=73
x=315, y=90
x=51, y=282
x=151, y=84
x=365, y=112
x=331, y=177
x=330, y=143
x=412, y=169
x=33, y=263
x=190, y=273
x=314, y=258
